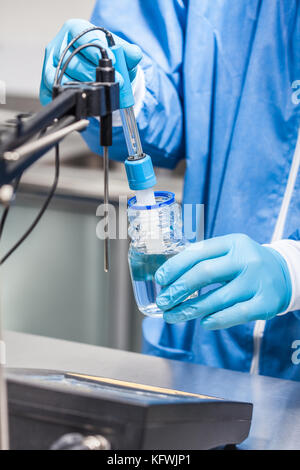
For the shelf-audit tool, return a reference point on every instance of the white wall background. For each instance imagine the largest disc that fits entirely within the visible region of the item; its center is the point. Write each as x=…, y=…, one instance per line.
x=26, y=27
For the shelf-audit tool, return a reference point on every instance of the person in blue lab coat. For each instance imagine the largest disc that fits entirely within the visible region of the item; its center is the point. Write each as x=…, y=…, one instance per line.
x=216, y=83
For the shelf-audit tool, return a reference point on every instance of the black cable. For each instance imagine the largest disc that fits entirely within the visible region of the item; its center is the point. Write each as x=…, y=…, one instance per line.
x=109, y=38
x=83, y=46
x=42, y=210
x=3, y=219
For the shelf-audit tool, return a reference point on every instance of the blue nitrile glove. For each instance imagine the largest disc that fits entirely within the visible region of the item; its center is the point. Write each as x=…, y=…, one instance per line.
x=255, y=283
x=82, y=66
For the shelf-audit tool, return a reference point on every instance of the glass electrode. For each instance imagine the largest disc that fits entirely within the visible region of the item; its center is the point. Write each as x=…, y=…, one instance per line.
x=131, y=132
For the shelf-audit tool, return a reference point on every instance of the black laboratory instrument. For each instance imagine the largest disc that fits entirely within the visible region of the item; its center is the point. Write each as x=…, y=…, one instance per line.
x=55, y=410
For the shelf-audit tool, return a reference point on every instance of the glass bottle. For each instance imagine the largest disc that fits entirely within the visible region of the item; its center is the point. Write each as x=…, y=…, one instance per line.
x=156, y=235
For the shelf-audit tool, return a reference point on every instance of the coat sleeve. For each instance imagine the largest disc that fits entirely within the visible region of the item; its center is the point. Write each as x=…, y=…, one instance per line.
x=158, y=27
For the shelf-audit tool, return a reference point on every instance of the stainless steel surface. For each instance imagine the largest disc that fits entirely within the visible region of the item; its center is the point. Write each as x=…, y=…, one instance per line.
x=276, y=418
x=44, y=142
x=106, y=214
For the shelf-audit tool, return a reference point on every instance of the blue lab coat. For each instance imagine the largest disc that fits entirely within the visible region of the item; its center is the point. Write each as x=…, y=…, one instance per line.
x=219, y=93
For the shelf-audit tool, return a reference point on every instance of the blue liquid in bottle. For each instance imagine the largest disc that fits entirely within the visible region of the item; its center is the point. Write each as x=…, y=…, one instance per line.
x=143, y=267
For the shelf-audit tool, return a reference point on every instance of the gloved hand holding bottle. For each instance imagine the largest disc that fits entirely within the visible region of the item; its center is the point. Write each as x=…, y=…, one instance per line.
x=82, y=66
x=255, y=283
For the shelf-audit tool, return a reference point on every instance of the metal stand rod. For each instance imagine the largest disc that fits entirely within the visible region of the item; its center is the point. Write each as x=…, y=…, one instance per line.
x=4, y=430
x=106, y=213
